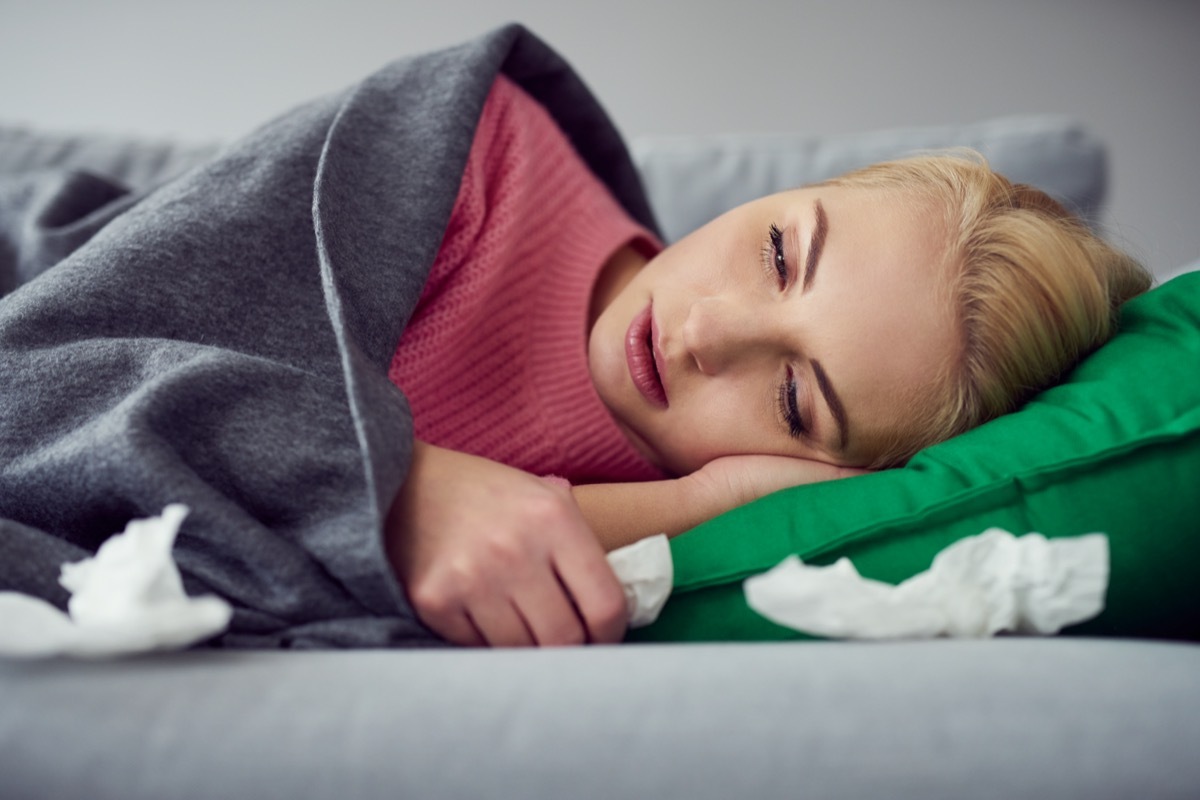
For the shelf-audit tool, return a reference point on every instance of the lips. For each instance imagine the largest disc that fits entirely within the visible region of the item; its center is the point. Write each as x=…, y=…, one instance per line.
x=641, y=352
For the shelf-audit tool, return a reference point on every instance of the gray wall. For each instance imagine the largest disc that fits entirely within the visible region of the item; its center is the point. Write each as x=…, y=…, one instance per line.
x=211, y=70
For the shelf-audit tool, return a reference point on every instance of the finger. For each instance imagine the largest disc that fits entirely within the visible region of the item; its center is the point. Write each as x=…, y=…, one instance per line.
x=500, y=624
x=455, y=626
x=595, y=591
x=549, y=613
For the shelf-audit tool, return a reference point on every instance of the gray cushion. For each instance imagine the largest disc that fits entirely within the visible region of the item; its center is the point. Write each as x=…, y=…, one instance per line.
x=994, y=719
x=136, y=162
x=691, y=179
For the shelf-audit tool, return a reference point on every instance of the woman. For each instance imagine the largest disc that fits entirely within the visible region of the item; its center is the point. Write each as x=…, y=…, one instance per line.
x=797, y=338
x=234, y=340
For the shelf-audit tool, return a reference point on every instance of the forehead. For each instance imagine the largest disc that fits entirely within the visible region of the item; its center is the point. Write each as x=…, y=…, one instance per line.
x=883, y=291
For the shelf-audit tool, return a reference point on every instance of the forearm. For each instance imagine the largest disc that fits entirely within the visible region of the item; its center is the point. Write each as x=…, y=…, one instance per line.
x=622, y=513
x=617, y=513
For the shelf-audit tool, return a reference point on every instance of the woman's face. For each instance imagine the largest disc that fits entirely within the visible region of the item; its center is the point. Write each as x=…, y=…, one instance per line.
x=807, y=323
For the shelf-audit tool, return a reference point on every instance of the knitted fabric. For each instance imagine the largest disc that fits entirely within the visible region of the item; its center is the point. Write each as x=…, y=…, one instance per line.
x=494, y=360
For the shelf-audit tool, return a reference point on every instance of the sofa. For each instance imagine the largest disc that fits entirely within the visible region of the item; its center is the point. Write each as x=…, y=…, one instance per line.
x=710, y=701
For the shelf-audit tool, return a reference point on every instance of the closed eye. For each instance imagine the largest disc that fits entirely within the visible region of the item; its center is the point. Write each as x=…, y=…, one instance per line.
x=789, y=411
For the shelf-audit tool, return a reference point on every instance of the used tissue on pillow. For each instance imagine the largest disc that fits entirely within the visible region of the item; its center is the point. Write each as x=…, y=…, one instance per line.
x=976, y=587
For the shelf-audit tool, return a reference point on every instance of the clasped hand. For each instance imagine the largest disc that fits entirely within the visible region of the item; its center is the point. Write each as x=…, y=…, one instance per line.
x=491, y=555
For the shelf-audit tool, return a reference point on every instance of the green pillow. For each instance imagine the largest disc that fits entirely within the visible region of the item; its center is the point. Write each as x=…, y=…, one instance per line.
x=1115, y=449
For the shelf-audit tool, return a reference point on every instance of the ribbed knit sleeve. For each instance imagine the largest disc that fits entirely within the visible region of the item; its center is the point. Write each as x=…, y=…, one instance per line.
x=494, y=360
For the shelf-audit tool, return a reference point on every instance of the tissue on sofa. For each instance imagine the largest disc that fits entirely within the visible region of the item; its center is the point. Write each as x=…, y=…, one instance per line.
x=128, y=598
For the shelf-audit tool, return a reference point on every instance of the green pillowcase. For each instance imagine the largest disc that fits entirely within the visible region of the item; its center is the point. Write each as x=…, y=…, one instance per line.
x=1115, y=449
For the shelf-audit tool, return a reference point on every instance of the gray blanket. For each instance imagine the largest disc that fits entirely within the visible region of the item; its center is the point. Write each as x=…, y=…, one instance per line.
x=222, y=340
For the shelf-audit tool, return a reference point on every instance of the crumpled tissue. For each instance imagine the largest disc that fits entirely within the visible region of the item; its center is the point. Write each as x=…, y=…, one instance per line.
x=976, y=587
x=646, y=573
x=128, y=598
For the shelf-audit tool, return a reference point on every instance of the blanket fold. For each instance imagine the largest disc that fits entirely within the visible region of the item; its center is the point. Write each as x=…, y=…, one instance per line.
x=222, y=339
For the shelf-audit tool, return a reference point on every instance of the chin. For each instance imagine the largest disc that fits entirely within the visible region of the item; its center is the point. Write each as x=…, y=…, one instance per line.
x=676, y=464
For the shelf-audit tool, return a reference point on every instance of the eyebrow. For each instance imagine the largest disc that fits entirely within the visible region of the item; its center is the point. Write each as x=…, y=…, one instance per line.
x=834, y=402
x=817, y=244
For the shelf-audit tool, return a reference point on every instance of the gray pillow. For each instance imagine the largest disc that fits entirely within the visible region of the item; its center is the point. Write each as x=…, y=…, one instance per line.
x=691, y=179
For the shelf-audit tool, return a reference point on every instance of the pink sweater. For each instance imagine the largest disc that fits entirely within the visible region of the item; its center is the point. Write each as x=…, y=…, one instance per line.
x=494, y=360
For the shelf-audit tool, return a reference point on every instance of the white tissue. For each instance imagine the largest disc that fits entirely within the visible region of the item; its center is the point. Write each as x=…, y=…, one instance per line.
x=976, y=587
x=646, y=573
x=128, y=598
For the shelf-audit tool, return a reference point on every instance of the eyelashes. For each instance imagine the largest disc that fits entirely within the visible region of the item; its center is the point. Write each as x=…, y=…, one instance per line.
x=788, y=410
x=774, y=259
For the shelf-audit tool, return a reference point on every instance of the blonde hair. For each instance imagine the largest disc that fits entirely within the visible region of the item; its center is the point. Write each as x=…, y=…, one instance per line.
x=1034, y=290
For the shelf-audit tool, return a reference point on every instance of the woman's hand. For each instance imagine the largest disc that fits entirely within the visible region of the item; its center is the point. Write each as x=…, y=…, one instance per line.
x=730, y=481
x=491, y=555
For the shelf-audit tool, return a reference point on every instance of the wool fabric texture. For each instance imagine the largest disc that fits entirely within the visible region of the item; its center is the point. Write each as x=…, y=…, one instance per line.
x=494, y=360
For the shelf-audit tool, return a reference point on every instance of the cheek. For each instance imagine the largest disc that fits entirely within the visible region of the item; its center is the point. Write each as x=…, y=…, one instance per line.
x=707, y=260
x=722, y=420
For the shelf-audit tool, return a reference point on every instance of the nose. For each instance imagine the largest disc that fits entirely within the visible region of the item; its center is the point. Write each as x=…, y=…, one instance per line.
x=721, y=333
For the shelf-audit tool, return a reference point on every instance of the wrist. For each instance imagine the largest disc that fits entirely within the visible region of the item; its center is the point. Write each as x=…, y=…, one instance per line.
x=622, y=513
x=712, y=491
